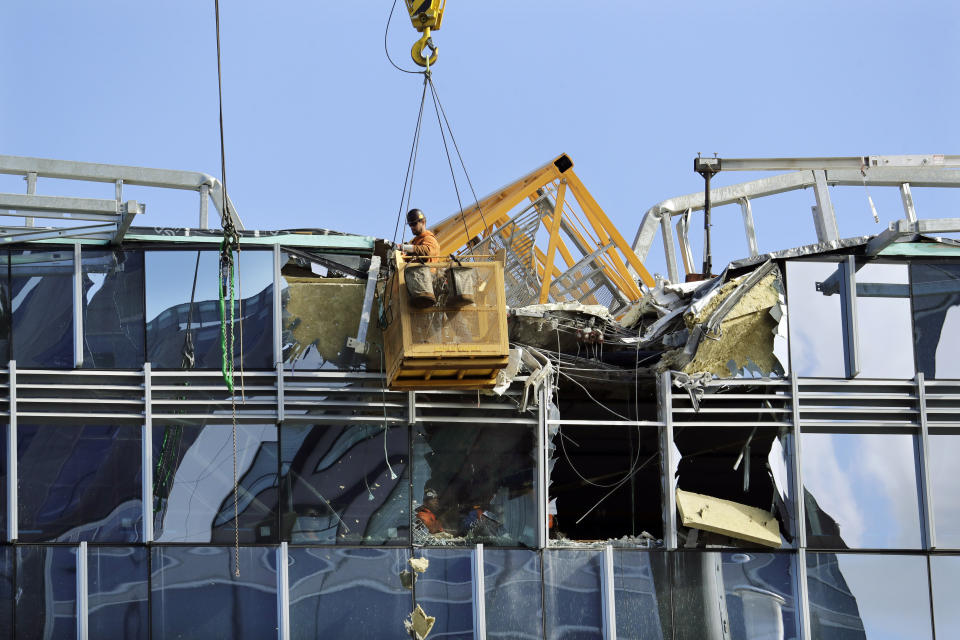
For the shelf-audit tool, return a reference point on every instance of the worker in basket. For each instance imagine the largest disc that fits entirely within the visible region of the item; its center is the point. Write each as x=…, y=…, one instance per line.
x=424, y=246
x=428, y=512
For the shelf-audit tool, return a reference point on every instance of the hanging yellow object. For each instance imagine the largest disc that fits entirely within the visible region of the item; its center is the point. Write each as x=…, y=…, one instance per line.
x=426, y=16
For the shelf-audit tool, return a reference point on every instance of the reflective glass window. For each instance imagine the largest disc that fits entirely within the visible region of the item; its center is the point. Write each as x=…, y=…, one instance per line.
x=868, y=596
x=345, y=484
x=348, y=593
x=41, y=291
x=184, y=310
x=193, y=483
x=46, y=603
x=3, y=482
x=572, y=599
x=322, y=300
x=195, y=593
x=749, y=594
x=642, y=591
x=944, y=454
x=474, y=483
x=513, y=599
x=945, y=583
x=816, y=326
x=79, y=482
x=113, y=327
x=860, y=491
x=883, y=321
x=445, y=591
x=117, y=592
x=936, y=318
x=6, y=591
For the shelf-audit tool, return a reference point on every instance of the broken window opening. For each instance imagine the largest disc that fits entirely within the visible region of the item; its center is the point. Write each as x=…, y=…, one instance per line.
x=936, y=318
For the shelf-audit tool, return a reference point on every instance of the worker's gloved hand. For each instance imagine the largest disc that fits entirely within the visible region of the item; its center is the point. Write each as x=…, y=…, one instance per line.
x=406, y=248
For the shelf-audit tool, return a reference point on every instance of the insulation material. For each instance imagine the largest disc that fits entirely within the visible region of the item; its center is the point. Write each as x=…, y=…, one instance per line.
x=418, y=624
x=419, y=565
x=728, y=518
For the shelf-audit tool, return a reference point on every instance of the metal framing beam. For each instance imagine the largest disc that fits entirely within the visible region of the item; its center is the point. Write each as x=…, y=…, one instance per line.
x=283, y=592
x=277, y=311
x=669, y=483
x=848, y=312
x=552, y=244
x=799, y=511
x=147, y=454
x=83, y=599
x=12, y=473
x=924, y=486
x=749, y=229
x=77, y=307
x=608, y=595
x=479, y=594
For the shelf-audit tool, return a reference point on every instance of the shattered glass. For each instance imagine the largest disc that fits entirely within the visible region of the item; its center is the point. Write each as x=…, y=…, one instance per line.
x=193, y=483
x=936, y=318
x=484, y=477
x=861, y=596
x=182, y=291
x=41, y=291
x=79, y=482
x=572, y=601
x=345, y=484
x=117, y=592
x=513, y=589
x=113, y=324
x=642, y=593
x=46, y=602
x=195, y=593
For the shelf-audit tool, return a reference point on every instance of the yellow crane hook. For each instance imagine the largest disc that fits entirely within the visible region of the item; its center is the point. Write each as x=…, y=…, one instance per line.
x=426, y=16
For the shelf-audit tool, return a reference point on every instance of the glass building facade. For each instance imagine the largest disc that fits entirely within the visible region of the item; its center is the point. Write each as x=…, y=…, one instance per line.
x=134, y=506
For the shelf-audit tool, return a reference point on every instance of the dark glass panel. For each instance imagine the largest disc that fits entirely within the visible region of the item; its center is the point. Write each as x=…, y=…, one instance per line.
x=514, y=589
x=113, y=326
x=944, y=454
x=6, y=592
x=883, y=321
x=445, y=591
x=322, y=303
x=346, y=484
x=196, y=595
x=79, y=482
x=936, y=318
x=945, y=582
x=484, y=477
x=169, y=290
x=642, y=592
x=875, y=597
x=193, y=483
x=117, y=592
x=573, y=604
x=816, y=326
x=348, y=593
x=860, y=491
x=3, y=482
x=46, y=603
x=41, y=290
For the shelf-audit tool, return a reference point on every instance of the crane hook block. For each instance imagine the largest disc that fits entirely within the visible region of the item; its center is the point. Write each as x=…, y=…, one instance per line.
x=426, y=16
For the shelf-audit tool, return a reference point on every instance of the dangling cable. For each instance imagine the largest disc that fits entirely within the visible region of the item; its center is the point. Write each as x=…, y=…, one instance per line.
x=387, y=51
x=411, y=163
x=446, y=150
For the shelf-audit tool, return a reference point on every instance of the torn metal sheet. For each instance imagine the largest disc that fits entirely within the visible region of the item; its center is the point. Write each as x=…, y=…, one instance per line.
x=728, y=518
x=806, y=250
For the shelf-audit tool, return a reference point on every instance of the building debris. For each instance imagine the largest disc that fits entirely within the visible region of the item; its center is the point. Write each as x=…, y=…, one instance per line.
x=728, y=518
x=419, y=565
x=418, y=624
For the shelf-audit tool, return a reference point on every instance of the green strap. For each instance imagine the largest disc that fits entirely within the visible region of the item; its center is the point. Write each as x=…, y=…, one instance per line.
x=226, y=276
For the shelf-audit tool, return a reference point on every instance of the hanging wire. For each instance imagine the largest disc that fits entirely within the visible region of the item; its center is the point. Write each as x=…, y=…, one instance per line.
x=385, y=49
x=411, y=163
x=446, y=150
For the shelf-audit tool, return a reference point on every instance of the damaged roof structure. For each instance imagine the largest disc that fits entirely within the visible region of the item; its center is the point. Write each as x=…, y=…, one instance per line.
x=742, y=455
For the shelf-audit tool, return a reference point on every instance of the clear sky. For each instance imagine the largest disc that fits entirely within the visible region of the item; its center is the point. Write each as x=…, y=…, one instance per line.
x=319, y=125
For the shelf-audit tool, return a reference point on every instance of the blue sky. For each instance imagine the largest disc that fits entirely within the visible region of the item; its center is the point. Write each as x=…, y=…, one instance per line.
x=319, y=125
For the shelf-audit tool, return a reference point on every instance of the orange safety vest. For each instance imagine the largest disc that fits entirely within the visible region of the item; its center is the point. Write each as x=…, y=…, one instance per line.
x=426, y=245
x=429, y=520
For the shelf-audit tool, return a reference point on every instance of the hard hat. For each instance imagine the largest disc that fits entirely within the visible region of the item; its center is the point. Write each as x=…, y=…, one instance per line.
x=429, y=493
x=415, y=215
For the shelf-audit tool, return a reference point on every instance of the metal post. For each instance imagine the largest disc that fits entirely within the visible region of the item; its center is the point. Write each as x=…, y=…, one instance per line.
x=683, y=237
x=12, y=512
x=848, y=312
x=204, y=205
x=147, y=454
x=411, y=406
x=283, y=593
x=707, y=254
x=824, y=218
x=31, y=179
x=82, y=592
x=608, y=595
x=280, y=395
x=543, y=496
x=479, y=594
x=748, y=227
x=803, y=597
x=277, y=316
x=668, y=482
x=923, y=462
x=77, y=307
x=909, y=211
x=669, y=251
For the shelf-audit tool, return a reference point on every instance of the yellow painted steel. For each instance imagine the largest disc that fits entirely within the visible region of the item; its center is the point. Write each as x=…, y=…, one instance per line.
x=552, y=246
x=426, y=17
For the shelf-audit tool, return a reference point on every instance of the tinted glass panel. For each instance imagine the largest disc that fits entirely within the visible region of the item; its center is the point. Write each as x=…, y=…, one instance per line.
x=445, y=591
x=355, y=593
x=321, y=309
x=816, y=328
x=573, y=606
x=936, y=318
x=642, y=590
x=41, y=289
x=483, y=477
x=3, y=482
x=117, y=592
x=514, y=589
x=6, y=591
x=346, y=484
x=46, y=603
x=170, y=286
x=196, y=594
x=868, y=596
x=79, y=482
x=193, y=483
x=945, y=581
x=944, y=454
x=112, y=309
x=883, y=321
x=860, y=491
